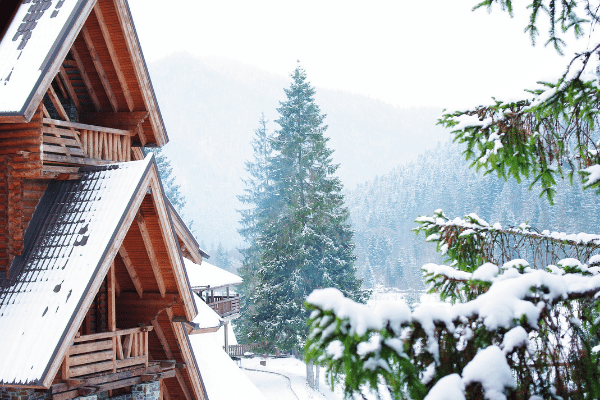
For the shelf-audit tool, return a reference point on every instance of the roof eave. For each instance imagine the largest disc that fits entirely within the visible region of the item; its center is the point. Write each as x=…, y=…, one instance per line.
x=57, y=54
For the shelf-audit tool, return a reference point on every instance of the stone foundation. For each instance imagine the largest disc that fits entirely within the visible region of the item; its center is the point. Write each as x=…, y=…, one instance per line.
x=143, y=391
x=21, y=394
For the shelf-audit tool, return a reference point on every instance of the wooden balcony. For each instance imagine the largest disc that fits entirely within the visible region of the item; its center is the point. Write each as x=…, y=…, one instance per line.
x=69, y=144
x=106, y=352
x=225, y=306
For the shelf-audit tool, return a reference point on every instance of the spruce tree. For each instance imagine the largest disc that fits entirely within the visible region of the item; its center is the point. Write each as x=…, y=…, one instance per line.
x=256, y=199
x=172, y=189
x=304, y=237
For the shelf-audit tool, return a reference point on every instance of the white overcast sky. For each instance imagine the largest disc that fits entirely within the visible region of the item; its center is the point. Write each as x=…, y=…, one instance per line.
x=407, y=53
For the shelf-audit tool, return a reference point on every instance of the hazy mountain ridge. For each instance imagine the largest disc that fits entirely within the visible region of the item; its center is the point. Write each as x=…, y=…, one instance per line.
x=383, y=211
x=211, y=108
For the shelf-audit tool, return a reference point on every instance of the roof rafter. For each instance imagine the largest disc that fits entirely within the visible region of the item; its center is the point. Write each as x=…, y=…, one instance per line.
x=131, y=270
x=150, y=250
x=62, y=72
x=113, y=56
x=99, y=68
x=57, y=104
x=86, y=79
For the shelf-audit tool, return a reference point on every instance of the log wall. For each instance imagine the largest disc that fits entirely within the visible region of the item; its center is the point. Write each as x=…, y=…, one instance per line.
x=20, y=187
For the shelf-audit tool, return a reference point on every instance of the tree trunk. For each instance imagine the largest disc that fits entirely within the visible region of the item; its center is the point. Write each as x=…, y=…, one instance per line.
x=310, y=377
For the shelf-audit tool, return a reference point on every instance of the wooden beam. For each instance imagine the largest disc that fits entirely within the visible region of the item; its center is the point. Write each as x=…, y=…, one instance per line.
x=150, y=300
x=99, y=69
x=107, y=386
x=141, y=135
x=86, y=79
x=151, y=254
x=131, y=270
x=114, y=57
x=57, y=104
x=94, y=381
x=67, y=83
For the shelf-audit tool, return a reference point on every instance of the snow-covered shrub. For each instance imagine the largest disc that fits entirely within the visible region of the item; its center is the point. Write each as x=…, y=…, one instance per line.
x=508, y=328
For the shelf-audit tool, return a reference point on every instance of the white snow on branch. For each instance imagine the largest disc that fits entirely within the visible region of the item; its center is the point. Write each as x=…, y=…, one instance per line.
x=489, y=367
x=594, y=175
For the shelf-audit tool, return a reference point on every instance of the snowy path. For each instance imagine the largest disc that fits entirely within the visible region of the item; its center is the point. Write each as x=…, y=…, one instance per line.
x=272, y=385
x=287, y=380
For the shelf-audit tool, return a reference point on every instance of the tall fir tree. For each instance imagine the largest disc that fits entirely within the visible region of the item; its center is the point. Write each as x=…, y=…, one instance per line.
x=304, y=238
x=256, y=199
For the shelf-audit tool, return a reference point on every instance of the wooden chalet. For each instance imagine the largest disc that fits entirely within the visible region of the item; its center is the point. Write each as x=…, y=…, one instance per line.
x=213, y=286
x=94, y=295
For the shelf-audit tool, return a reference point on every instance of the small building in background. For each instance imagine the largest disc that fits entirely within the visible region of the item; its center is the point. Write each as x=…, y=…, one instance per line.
x=216, y=288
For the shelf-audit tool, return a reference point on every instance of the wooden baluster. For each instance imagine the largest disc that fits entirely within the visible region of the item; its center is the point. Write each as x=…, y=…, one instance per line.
x=115, y=156
x=110, y=146
x=118, y=157
x=96, y=144
x=123, y=148
x=91, y=144
x=136, y=345
x=119, y=348
x=145, y=333
x=84, y=141
x=101, y=147
x=128, y=148
x=127, y=346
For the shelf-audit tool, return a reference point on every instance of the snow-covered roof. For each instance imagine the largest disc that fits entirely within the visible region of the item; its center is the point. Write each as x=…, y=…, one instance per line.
x=66, y=247
x=222, y=378
x=207, y=275
x=207, y=317
x=31, y=45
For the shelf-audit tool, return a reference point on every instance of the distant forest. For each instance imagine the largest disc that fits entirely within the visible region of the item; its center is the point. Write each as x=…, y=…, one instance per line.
x=383, y=211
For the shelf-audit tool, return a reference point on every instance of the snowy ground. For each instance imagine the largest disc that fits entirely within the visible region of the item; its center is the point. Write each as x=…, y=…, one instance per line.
x=285, y=379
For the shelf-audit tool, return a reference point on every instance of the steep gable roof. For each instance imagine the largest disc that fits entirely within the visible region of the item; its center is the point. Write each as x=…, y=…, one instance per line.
x=100, y=40
x=66, y=251
x=75, y=234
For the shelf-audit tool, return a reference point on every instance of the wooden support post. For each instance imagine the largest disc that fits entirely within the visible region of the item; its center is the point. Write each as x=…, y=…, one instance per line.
x=86, y=79
x=151, y=254
x=99, y=68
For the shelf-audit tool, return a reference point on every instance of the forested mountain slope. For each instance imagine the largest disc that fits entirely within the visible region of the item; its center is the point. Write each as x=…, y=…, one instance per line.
x=383, y=211
x=211, y=108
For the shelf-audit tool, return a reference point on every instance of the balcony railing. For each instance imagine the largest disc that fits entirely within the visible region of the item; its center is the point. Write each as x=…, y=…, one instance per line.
x=224, y=305
x=108, y=351
x=70, y=143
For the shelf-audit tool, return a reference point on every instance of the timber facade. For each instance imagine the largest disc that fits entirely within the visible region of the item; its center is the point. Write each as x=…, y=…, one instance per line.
x=94, y=296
